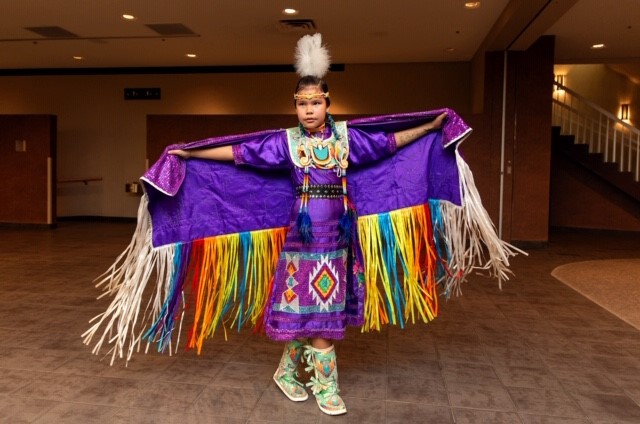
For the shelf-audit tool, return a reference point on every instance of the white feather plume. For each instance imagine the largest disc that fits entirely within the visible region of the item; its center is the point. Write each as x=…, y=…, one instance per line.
x=312, y=58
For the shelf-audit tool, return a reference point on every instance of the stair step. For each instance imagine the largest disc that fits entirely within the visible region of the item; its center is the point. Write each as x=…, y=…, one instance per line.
x=608, y=171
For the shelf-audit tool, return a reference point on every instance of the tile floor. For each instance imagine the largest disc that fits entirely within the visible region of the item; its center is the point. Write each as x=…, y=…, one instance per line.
x=535, y=352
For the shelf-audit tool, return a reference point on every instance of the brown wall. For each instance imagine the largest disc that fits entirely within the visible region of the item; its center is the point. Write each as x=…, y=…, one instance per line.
x=532, y=142
x=26, y=181
x=527, y=147
x=580, y=199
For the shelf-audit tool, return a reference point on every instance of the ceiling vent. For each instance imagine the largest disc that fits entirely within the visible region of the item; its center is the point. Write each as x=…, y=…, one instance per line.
x=52, y=32
x=297, y=25
x=169, y=30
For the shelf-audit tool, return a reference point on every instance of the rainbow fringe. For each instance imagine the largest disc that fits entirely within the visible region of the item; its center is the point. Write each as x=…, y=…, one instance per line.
x=406, y=254
x=230, y=290
x=399, y=262
x=226, y=277
x=229, y=284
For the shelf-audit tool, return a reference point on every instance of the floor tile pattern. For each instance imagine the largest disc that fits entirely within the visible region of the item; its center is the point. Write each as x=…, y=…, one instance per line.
x=535, y=352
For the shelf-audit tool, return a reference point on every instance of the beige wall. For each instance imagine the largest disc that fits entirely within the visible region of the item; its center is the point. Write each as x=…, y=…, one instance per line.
x=604, y=87
x=101, y=135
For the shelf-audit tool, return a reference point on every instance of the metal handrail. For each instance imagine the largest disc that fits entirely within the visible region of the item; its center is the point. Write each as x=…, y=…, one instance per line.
x=601, y=130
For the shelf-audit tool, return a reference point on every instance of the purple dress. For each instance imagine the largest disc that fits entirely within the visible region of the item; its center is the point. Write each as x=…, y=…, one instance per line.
x=315, y=290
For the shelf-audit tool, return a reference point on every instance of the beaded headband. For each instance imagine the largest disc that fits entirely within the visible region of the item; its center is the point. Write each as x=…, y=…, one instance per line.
x=297, y=96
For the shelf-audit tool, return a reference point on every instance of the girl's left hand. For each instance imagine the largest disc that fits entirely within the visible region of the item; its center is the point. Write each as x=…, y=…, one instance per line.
x=437, y=123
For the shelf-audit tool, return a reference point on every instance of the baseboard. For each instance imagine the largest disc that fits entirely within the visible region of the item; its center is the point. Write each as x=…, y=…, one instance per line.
x=27, y=225
x=85, y=218
x=530, y=244
x=582, y=230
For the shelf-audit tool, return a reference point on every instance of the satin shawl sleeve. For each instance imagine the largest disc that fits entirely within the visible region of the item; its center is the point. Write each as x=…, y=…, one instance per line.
x=271, y=152
x=197, y=198
x=365, y=146
x=423, y=170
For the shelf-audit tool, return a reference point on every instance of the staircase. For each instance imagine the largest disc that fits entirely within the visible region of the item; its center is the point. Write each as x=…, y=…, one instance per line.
x=597, y=140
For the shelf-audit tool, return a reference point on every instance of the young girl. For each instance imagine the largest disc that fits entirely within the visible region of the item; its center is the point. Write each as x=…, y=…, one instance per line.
x=214, y=241
x=314, y=276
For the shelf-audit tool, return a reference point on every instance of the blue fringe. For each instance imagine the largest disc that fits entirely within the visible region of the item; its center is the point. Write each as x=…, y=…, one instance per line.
x=160, y=331
x=303, y=222
x=346, y=225
x=437, y=221
x=245, y=246
x=390, y=257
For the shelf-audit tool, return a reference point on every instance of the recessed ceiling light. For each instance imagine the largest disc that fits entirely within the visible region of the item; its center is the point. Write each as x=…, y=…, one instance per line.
x=128, y=17
x=289, y=11
x=78, y=57
x=598, y=46
x=449, y=49
x=191, y=55
x=472, y=4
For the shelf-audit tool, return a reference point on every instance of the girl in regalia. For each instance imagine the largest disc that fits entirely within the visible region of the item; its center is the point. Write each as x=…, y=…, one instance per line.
x=315, y=290
x=219, y=239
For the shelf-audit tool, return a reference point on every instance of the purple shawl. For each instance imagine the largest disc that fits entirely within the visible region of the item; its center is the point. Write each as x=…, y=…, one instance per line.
x=195, y=199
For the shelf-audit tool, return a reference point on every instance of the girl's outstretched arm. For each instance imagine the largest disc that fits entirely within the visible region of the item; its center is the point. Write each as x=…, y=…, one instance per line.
x=407, y=136
x=222, y=153
x=225, y=153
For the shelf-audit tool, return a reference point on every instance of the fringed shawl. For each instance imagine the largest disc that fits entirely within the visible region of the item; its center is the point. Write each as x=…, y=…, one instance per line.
x=209, y=235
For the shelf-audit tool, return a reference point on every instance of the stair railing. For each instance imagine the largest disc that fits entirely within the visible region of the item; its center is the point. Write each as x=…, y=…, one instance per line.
x=602, y=131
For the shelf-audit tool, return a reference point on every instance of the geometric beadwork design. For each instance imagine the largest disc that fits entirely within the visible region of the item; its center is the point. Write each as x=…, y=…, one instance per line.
x=289, y=295
x=290, y=301
x=293, y=263
x=323, y=283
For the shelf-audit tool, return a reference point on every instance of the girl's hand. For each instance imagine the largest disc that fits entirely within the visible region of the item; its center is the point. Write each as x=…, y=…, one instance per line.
x=184, y=154
x=405, y=137
x=437, y=123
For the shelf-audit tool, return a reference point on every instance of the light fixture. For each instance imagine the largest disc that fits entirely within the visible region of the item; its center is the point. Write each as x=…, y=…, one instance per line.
x=624, y=111
x=191, y=55
x=598, y=46
x=289, y=11
x=560, y=82
x=450, y=50
x=128, y=17
x=472, y=4
x=78, y=57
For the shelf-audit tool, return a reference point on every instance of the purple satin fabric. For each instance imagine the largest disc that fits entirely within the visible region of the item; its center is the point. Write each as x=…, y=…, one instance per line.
x=194, y=199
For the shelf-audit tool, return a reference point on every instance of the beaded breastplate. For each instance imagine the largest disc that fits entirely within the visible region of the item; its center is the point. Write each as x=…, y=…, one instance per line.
x=308, y=152
x=315, y=152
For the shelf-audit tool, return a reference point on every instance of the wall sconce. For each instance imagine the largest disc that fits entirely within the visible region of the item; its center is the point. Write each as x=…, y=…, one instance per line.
x=624, y=111
x=559, y=80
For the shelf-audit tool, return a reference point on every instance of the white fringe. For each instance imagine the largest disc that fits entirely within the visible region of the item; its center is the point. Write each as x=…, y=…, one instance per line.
x=471, y=238
x=122, y=324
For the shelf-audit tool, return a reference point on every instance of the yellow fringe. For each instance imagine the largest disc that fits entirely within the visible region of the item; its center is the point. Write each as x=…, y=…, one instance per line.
x=218, y=295
x=415, y=261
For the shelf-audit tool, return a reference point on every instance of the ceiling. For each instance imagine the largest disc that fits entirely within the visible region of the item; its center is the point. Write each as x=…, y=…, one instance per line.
x=243, y=32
